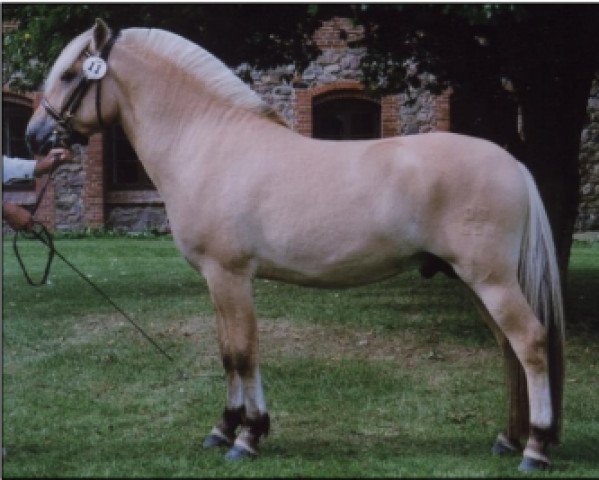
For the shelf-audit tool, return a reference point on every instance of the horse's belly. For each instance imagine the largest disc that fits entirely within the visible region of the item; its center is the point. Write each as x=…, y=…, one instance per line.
x=336, y=270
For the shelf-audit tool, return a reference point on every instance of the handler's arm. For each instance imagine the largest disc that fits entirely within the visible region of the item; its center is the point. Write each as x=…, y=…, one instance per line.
x=14, y=169
x=19, y=169
x=17, y=217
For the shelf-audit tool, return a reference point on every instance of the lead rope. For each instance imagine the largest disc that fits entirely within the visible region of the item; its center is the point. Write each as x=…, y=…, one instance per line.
x=41, y=233
x=38, y=231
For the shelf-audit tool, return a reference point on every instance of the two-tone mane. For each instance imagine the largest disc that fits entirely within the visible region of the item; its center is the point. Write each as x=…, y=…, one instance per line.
x=211, y=73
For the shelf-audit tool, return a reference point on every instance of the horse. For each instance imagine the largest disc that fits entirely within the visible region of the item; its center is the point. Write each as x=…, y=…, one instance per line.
x=247, y=197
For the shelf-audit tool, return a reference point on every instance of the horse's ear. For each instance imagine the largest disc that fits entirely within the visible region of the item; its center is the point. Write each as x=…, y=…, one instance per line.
x=100, y=35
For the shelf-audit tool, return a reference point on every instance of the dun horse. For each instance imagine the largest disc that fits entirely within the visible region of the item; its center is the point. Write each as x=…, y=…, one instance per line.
x=249, y=198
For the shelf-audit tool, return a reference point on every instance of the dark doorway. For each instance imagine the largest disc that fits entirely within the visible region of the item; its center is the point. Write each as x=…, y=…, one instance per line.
x=124, y=171
x=345, y=118
x=14, y=123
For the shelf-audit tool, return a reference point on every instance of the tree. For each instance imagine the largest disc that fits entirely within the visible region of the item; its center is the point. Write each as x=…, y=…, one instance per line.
x=547, y=54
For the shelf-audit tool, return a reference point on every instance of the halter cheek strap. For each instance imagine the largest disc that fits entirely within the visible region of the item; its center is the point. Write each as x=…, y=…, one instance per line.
x=104, y=56
x=71, y=105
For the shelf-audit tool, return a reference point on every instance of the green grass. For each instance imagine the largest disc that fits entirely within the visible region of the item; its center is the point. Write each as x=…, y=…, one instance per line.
x=398, y=378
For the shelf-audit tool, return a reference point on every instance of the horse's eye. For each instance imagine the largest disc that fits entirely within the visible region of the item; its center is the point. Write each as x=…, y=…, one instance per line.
x=68, y=76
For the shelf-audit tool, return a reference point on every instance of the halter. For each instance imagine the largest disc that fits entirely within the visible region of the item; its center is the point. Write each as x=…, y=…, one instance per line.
x=92, y=66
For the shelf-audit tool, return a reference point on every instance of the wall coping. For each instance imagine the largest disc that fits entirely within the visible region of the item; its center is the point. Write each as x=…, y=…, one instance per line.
x=135, y=197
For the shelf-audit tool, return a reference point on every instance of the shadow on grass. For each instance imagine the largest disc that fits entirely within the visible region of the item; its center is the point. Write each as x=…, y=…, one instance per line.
x=583, y=302
x=377, y=446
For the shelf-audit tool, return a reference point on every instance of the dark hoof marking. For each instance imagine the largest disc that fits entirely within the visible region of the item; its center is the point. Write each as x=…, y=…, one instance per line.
x=212, y=441
x=504, y=447
x=237, y=453
x=532, y=465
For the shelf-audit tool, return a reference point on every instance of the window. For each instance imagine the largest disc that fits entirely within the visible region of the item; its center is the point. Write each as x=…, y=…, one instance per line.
x=124, y=171
x=342, y=116
x=14, y=123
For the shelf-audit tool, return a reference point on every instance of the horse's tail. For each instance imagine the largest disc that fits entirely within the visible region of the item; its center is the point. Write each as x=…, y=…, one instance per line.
x=539, y=278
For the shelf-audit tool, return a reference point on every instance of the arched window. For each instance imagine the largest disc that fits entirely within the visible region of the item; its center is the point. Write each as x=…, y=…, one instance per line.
x=124, y=171
x=14, y=123
x=345, y=115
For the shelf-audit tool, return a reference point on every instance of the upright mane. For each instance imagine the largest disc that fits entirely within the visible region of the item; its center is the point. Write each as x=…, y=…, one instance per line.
x=212, y=73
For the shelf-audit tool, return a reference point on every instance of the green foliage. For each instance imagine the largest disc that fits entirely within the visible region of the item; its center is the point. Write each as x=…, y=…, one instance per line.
x=473, y=45
x=43, y=31
x=476, y=46
x=258, y=34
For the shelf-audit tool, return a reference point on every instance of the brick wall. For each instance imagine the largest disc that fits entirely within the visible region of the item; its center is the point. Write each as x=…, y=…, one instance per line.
x=302, y=112
x=336, y=33
x=93, y=187
x=442, y=111
x=390, y=122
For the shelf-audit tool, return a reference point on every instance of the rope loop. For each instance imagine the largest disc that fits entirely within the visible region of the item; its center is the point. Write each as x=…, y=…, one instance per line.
x=41, y=233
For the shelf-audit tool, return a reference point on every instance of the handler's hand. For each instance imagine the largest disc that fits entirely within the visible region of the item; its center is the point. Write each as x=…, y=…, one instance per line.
x=17, y=217
x=56, y=156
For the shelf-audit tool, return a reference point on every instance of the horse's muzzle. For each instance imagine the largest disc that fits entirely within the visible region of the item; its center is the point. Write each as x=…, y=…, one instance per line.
x=45, y=134
x=39, y=135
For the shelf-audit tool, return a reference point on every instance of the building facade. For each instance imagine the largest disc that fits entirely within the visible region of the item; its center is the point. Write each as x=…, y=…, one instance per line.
x=106, y=187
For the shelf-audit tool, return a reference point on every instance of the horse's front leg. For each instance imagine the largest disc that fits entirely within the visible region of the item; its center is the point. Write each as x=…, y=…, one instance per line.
x=223, y=434
x=231, y=293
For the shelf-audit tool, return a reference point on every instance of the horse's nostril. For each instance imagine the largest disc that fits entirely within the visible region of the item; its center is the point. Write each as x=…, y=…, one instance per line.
x=31, y=140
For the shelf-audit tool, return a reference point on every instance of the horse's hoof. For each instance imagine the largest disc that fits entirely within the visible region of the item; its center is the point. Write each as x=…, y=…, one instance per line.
x=237, y=453
x=503, y=446
x=212, y=441
x=529, y=464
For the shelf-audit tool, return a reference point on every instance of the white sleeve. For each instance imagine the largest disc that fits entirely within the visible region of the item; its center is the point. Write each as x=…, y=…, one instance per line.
x=15, y=169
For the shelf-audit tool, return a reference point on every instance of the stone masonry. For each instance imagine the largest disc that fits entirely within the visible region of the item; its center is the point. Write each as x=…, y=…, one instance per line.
x=588, y=213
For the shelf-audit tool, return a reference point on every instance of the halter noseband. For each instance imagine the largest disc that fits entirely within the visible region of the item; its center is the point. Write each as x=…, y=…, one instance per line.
x=71, y=105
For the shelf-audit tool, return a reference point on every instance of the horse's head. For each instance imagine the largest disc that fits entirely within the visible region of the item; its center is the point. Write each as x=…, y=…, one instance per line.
x=79, y=94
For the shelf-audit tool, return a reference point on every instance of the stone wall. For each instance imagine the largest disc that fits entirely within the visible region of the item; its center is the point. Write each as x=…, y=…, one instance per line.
x=338, y=63
x=68, y=187
x=338, y=67
x=137, y=218
x=588, y=213
x=421, y=112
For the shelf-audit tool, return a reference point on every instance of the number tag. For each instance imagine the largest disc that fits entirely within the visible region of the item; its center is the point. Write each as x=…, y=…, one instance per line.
x=94, y=68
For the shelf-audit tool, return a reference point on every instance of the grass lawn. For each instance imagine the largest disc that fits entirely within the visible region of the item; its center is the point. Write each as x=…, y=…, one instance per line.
x=398, y=378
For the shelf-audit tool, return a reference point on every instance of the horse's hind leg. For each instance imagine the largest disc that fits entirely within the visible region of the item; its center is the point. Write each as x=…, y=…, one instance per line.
x=231, y=295
x=528, y=339
x=508, y=441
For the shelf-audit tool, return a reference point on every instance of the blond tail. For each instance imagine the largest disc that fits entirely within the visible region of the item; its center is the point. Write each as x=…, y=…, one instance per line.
x=539, y=279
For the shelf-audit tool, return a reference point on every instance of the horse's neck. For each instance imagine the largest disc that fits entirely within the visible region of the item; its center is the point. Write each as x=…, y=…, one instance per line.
x=170, y=121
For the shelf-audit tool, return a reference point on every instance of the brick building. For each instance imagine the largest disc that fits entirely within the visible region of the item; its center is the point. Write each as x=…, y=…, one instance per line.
x=108, y=187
